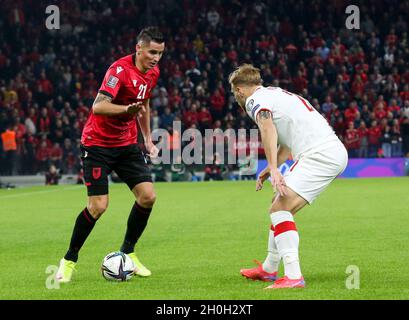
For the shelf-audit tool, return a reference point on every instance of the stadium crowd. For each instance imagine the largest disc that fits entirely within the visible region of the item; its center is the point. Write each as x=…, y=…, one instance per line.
x=358, y=79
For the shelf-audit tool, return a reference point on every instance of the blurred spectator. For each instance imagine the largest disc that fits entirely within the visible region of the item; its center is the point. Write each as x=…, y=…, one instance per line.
x=386, y=142
x=191, y=116
x=339, y=127
x=161, y=100
x=44, y=85
x=9, y=143
x=56, y=154
x=167, y=118
x=186, y=87
x=374, y=135
x=217, y=102
x=204, y=118
x=43, y=156
x=52, y=176
x=29, y=159
x=29, y=123
x=351, y=112
x=405, y=136
x=396, y=140
x=405, y=110
x=328, y=106
x=175, y=100
x=213, y=17
x=351, y=140
x=44, y=122
x=21, y=132
x=363, y=140
x=69, y=156
x=214, y=170
x=154, y=120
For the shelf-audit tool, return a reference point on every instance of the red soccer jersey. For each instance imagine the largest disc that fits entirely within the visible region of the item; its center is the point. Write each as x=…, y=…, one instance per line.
x=125, y=84
x=350, y=114
x=374, y=133
x=352, y=139
x=190, y=117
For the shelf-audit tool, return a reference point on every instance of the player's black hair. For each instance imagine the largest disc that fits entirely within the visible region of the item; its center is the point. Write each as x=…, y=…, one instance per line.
x=149, y=34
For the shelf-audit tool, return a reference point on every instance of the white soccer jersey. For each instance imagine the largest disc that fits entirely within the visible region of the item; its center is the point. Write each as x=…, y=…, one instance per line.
x=299, y=126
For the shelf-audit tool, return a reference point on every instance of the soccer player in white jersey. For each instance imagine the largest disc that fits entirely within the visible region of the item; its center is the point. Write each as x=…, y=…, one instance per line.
x=288, y=125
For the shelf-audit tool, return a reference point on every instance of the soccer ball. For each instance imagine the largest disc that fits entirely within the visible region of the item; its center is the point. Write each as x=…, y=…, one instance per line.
x=117, y=266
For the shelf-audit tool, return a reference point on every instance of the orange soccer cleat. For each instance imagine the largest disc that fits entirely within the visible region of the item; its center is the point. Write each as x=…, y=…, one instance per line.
x=287, y=283
x=258, y=273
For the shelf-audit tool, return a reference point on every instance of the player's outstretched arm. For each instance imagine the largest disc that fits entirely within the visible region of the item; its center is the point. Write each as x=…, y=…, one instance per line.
x=103, y=106
x=269, y=138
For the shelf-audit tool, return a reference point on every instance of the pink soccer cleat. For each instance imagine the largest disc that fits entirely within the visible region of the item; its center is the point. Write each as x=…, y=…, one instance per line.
x=258, y=273
x=283, y=283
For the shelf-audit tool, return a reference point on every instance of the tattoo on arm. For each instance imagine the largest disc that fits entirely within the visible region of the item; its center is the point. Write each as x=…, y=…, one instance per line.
x=102, y=97
x=264, y=115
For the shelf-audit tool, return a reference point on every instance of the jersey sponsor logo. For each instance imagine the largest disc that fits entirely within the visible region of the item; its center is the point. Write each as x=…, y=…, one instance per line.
x=112, y=81
x=249, y=105
x=119, y=69
x=96, y=173
x=253, y=112
x=134, y=82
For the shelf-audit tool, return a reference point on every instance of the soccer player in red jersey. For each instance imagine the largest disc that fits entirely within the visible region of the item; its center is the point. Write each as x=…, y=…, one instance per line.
x=109, y=142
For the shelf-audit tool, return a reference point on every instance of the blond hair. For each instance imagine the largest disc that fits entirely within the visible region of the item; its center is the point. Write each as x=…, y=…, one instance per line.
x=246, y=74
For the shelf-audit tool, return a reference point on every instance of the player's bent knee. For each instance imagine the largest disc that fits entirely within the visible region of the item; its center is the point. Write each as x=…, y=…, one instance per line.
x=280, y=205
x=97, y=207
x=147, y=200
x=96, y=211
x=288, y=203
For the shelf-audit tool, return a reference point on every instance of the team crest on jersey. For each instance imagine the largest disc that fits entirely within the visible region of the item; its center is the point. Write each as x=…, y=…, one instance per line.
x=249, y=105
x=96, y=173
x=112, y=81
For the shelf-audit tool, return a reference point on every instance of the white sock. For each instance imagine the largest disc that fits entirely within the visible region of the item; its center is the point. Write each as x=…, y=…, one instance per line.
x=287, y=240
x=272, y=261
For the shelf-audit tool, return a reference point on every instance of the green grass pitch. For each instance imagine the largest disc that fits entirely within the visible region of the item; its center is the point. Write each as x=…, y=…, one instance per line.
x=201, y=234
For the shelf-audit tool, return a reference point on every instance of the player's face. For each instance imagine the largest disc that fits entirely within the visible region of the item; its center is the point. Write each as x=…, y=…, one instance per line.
x=149, y=54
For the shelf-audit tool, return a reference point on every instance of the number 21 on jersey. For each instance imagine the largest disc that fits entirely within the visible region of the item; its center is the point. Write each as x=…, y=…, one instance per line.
x=142, y=91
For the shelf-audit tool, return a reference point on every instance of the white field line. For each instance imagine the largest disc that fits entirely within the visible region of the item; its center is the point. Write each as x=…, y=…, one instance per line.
x=39, y=192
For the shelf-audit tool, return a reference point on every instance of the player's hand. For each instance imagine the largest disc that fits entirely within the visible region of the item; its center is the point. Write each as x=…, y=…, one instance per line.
x=278, y=182
x=136, y=109
x=263, y=176
x=152, y=149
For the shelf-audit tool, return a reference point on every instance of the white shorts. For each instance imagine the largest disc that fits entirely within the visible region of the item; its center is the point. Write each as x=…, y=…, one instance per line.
x=315, y=170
